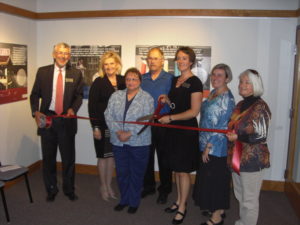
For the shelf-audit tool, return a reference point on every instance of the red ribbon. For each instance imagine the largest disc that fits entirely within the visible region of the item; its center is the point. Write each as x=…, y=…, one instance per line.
x=48, y=119
x=176, y=126
x=236, y=157
x=49, y=123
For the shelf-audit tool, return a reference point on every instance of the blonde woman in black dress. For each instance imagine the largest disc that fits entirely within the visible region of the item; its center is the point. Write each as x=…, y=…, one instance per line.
x=100, y=92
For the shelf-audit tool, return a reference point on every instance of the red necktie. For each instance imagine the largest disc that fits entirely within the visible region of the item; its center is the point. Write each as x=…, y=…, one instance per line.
x=59, y=94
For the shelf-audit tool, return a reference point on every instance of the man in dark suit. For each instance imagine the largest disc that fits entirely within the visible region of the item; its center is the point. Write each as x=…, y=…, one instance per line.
x=60, y=89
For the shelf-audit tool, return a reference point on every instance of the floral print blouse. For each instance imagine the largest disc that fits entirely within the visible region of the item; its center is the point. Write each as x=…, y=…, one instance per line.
x=215, y=114
x=251, y=126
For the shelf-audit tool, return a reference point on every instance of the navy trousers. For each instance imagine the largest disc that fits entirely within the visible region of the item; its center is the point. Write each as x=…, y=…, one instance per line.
x=131, y=164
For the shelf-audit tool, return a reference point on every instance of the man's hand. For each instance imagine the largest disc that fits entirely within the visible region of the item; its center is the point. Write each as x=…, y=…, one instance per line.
x=70, y=112
x=37, y=117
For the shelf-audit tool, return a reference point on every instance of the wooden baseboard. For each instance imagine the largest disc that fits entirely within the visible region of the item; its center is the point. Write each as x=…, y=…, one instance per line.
x=268, y=185
x=293, y=194
x=271, y=185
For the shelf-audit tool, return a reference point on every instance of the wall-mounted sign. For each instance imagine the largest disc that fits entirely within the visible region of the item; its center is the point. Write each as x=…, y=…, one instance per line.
x=13, y=72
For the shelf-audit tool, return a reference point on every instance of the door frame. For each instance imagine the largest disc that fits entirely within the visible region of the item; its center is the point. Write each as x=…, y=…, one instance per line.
x=291, y=189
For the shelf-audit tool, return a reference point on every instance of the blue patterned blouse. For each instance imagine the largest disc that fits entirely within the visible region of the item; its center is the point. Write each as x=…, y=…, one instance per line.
x=215, y=114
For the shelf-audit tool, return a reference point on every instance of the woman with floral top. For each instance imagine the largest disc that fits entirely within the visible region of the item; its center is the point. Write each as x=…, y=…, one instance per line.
x=212, y=186
x=248, y=153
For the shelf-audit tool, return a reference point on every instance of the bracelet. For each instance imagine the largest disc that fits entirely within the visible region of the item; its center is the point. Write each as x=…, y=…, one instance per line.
x=170, y=119
x=96, y=128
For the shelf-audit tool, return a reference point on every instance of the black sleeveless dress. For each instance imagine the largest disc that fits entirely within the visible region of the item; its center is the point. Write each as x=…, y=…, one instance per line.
x=183, y=145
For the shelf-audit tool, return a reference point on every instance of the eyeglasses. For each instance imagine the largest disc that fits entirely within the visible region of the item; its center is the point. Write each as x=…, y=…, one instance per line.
x=132, y=79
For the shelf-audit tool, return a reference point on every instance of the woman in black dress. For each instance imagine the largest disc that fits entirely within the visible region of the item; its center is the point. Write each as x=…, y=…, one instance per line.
x=100, y=92
x=186, y=94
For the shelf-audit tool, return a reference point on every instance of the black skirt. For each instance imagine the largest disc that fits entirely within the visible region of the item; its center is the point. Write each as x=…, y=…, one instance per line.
x=212, y=186
x=103, y=147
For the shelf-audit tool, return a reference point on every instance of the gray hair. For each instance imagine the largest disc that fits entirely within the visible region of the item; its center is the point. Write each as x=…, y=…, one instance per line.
x=61, y=44
x=255, y=79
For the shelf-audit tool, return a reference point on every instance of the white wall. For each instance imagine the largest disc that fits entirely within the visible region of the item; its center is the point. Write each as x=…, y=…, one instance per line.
x=79, y=5
x=263, y=44
x=19, y=143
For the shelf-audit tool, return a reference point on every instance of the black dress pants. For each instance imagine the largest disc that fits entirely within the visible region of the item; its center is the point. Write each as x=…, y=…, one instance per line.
x=165, y=173
x=58, y=136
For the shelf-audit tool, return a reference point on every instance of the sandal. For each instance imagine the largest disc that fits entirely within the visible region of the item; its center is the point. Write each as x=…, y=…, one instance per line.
x=176, y=221
x=209, y=214
x=212, y=222
x=171, y=209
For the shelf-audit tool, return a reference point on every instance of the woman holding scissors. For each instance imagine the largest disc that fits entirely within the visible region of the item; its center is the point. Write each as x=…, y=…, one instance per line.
x=183, y=145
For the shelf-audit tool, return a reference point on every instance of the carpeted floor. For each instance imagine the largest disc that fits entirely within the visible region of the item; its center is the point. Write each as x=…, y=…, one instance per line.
x=90, y=209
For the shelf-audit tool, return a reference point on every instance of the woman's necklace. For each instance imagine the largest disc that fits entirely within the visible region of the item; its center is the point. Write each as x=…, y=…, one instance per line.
x=112, y=79
x=217, y=93
x=181, y=80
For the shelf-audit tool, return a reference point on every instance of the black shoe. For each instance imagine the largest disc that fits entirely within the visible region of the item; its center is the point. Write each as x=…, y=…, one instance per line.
x=220, y=223
x=51, y=197
x=132, y=210
x=120, y=207
x=209, y=214
x=175, y=221
x=206, y=213
x=173, y=208
x=147, y=192
x=72, y=196
x=162, y=198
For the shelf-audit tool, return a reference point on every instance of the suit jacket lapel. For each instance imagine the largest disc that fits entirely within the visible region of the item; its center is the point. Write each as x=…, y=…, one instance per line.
x=49, y=80
x=68, y=78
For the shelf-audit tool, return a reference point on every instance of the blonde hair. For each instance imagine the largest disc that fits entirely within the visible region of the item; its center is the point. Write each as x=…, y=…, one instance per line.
x=107, y=55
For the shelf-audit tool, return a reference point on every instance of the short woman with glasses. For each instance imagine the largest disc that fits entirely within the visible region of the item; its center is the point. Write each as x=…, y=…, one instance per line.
x=130, y=148
x=248, y=153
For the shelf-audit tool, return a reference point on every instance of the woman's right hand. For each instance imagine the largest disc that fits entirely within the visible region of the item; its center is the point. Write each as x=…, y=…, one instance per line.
x=123, y=136
x=97, y=134
x=205, y=157
x=232, y=136
x=163, y=99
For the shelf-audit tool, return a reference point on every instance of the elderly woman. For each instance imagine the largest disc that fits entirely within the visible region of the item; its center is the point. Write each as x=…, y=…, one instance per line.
x=131, y=150
x=101, y=90
x=183, y=145
x=249, y=155
x=212, y=186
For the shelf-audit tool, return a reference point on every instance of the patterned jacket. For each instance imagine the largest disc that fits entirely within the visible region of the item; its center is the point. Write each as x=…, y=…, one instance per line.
x=142, y=105
x=251, y=127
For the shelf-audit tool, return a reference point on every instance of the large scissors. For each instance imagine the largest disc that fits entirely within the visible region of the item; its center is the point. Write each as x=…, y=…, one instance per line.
x=155, y=115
